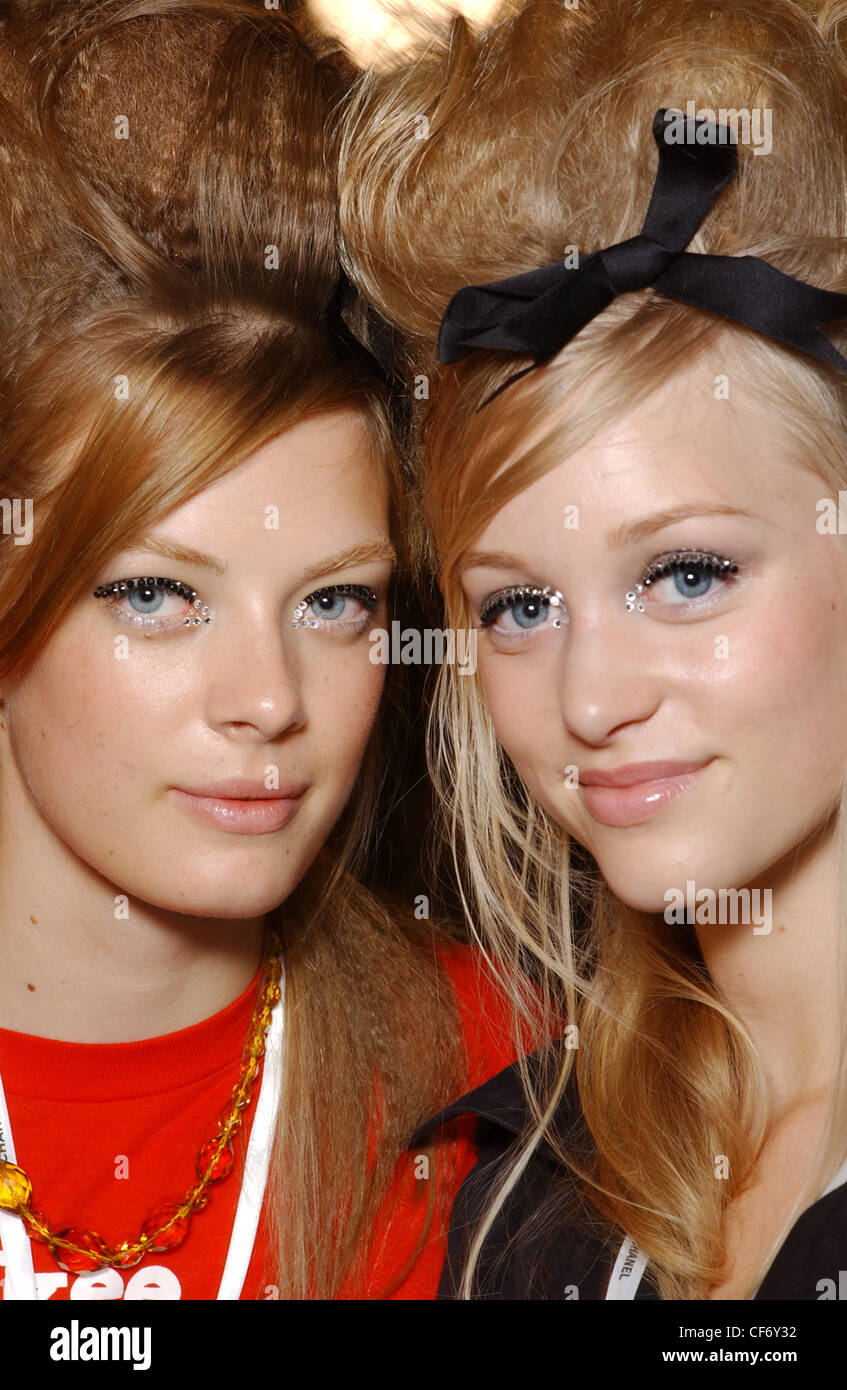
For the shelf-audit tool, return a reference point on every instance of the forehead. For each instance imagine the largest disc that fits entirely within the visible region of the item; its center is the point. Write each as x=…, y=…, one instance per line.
x=316, y=485
x=702, y=435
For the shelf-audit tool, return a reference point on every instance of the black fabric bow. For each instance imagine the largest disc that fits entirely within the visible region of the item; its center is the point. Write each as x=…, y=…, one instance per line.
x=541, y=310
x=379, y=357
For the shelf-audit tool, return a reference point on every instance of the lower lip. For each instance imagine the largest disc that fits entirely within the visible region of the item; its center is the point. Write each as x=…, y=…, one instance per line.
x=632, y=805
x=240, y=817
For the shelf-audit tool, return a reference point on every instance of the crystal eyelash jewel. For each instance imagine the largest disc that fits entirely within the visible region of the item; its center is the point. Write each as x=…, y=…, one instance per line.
x=171, y=586
x=632, y=600
x=555, y=599
x=297, y=616
x=76, y=1249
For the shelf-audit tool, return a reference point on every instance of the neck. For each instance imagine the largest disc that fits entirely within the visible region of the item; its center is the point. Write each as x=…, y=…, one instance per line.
x=81, y=963
x=783, y=984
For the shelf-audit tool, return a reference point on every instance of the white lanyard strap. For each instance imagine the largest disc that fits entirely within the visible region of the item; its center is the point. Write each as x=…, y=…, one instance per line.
x=627, y=1273
x=17, y=1249
x=19, y=1280
x=258, y=1160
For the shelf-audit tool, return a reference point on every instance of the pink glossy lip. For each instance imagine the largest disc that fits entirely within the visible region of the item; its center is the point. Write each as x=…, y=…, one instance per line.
x=633, y=793
x=242, y=805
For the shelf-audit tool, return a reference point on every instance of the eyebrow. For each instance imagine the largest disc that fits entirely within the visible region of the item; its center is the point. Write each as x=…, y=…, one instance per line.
x=635, y=530
x=626, y=534
x=353, y=555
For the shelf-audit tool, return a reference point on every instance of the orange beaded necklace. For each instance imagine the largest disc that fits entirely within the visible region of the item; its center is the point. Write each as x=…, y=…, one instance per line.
x=76, y=1249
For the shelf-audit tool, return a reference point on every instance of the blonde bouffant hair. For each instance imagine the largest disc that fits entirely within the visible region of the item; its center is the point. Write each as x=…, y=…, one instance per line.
x=168, y=215
x=487, y=155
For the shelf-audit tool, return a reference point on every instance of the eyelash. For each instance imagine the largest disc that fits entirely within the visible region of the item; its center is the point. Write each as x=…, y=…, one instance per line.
x=199, y=612
x=662, y=567
x=676, y=560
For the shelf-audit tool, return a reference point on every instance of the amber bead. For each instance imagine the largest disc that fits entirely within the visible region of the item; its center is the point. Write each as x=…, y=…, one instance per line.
x=175, y=1232
x=15, y=1187
x=211, y=1168
x=128, y=1254
x=94, y=1253
x=36, y=1224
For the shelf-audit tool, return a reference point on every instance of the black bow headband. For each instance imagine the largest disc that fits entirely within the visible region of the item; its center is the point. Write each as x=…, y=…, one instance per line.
x=538, y=312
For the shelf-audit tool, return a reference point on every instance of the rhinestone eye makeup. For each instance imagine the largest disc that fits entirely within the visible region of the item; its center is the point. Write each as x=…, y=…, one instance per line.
x=530, y=594
x=148, y=588
x=330, y=594
x=632, y=599
x=690, y=563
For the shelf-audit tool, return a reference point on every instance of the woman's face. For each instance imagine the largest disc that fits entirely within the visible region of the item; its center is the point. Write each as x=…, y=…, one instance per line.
x=128, y=712
x=739, y=681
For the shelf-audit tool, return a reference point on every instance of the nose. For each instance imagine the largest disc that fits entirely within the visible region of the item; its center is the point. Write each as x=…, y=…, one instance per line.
x=608, y=676
x=253, y=686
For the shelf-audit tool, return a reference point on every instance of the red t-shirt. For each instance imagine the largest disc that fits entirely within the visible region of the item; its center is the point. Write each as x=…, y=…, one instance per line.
x=108, y=1131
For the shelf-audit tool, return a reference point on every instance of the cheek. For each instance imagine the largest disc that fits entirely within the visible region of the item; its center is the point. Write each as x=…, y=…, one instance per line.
x=520, y=693
x=786, y=689
x=56, y=713
x=81, y=724
x=342, y=707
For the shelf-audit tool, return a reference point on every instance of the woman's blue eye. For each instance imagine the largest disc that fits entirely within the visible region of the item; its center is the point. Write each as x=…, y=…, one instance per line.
x=138, y=601
x=692, y=572
x=527, y=605
x=691, y=582
x=529, y=612
x=327, y=607
x=146, y=600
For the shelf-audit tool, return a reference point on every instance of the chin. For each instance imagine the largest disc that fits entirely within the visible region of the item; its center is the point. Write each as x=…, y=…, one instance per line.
x=214, y=895
x=642, y=881
x=642, y=896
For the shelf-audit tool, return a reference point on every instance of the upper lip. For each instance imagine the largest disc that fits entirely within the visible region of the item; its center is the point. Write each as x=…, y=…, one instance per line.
x=631, y=773
x=246, y=789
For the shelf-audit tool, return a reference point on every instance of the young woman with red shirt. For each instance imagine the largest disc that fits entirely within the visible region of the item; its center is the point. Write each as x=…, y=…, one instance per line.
x=215, y=1040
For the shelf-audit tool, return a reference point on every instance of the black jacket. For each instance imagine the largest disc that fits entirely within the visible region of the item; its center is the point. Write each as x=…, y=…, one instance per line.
x=550, y=1260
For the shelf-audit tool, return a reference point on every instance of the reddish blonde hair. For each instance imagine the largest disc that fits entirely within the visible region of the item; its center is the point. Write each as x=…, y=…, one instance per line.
x=197, y=260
